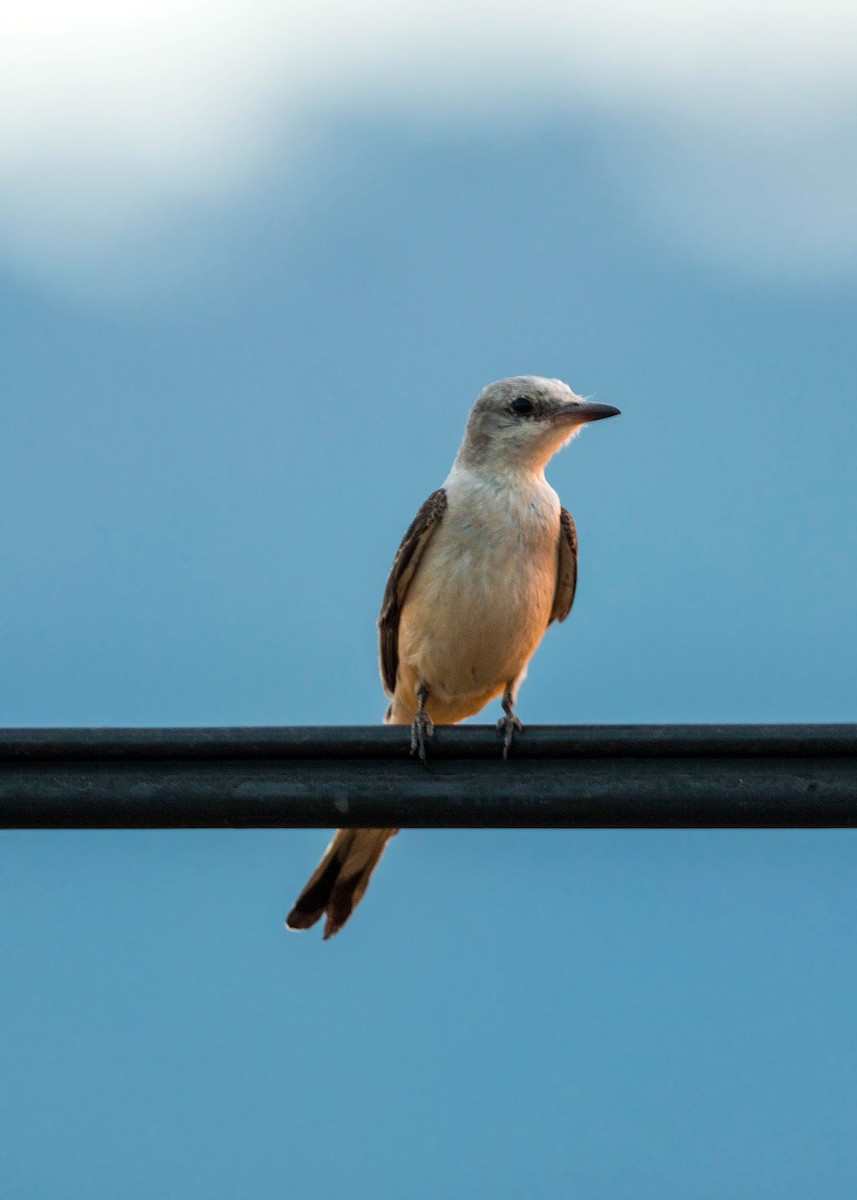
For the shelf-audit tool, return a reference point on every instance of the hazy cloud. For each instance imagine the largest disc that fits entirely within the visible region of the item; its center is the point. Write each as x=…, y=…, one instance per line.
x=113, y=116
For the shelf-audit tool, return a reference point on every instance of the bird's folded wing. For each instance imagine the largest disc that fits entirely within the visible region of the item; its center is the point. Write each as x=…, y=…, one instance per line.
x=566, y=575
x=402, y=572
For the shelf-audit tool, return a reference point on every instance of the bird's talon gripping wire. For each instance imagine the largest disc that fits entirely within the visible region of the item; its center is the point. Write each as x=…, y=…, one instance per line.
x=509, y=724
x=422, y=727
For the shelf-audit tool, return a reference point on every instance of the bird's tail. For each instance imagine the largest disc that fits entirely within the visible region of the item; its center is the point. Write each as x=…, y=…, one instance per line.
x=337, y=885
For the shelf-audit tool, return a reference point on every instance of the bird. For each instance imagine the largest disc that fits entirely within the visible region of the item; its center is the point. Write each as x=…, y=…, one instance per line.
x=486, y=565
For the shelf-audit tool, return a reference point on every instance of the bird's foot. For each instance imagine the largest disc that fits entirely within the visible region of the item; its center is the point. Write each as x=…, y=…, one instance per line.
x=421, y=729
x=508, y=725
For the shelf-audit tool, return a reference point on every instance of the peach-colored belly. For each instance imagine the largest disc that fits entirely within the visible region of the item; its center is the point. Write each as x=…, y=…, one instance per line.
x=474, y=615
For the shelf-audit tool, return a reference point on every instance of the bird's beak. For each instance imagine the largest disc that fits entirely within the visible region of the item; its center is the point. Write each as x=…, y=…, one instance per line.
x=581, y=412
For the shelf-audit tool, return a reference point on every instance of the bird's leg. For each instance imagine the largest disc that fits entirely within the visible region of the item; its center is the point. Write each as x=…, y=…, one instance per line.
x=509, y=722
x=422, y=726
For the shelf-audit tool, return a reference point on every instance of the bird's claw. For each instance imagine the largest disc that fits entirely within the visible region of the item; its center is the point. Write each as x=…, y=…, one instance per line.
x=422, y=727
x=508, y=725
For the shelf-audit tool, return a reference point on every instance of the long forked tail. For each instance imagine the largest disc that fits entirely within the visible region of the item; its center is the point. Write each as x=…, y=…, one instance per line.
x=340, y=879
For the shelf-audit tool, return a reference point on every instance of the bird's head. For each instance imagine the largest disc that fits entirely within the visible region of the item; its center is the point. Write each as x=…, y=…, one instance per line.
x=520, y=423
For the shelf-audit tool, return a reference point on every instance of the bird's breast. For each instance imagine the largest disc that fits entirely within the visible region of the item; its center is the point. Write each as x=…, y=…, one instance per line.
x=482, y=596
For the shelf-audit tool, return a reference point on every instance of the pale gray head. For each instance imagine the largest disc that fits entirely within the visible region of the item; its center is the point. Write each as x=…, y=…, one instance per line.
x=521, y=422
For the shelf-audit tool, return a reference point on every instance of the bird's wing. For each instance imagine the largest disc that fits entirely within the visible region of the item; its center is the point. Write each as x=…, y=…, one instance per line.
x=566, y=575
x=402, y=572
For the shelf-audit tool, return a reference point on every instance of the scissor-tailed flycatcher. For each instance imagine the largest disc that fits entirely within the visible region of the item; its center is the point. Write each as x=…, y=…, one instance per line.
x=489, y=561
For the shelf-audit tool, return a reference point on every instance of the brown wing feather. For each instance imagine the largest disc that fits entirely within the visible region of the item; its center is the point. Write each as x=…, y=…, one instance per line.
x=402, y=572
x=566, y=575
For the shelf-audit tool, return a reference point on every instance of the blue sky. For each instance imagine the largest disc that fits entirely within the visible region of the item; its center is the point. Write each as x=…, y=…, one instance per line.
x=219, y=414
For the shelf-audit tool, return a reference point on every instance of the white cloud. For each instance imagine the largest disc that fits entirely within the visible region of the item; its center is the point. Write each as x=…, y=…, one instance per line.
x=114, y=116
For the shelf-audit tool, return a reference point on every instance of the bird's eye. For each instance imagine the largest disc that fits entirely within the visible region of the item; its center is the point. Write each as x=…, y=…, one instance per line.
x=522, y=406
